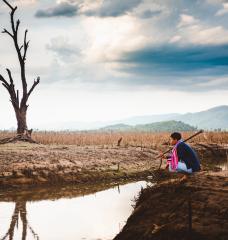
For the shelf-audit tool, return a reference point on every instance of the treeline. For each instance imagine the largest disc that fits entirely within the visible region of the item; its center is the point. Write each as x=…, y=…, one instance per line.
x=166, y=126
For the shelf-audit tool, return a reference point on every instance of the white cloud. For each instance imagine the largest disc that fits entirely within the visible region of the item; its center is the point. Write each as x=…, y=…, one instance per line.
x=191, y=30
x=186, y=20
x=175, y=39
x=222, y=11
x=199, y=34
x=111, y=37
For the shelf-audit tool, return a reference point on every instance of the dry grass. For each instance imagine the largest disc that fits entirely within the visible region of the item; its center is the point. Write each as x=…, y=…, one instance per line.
x=111, y=138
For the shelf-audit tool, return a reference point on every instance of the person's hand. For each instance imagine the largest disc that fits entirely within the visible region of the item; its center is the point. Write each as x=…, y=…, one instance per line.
x=160, y=156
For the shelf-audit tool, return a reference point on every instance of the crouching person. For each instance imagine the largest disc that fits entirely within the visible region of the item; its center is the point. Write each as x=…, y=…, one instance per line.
x=183, y=157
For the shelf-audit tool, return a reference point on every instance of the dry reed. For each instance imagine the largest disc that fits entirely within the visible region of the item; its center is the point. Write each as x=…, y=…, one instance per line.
x=111, y=138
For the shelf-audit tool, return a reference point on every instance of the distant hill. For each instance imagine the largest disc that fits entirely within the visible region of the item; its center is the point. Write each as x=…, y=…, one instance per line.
x=117, y=127
x=150, y=118
x=165, y=126
x=211, y=119
x=214, y=118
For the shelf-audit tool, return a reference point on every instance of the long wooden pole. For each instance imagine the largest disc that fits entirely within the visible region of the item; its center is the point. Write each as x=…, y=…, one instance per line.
x=187, y=139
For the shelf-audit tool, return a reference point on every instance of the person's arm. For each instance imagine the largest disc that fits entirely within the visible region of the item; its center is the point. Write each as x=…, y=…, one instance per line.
x=181, y=152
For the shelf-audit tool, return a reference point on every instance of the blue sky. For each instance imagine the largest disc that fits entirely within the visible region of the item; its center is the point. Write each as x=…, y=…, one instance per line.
x=111, y=59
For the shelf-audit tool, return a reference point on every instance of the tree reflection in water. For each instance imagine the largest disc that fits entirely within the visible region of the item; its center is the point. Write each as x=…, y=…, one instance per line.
x=20, y=210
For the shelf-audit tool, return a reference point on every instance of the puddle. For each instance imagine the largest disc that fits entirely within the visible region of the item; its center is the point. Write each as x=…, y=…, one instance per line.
x=91, y=217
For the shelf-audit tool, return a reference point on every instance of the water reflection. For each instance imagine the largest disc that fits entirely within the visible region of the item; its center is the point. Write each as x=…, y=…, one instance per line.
x=94, y=216
x=19, y=213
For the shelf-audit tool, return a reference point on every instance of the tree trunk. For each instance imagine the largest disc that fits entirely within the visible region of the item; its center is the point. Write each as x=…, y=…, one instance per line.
x=21, y=116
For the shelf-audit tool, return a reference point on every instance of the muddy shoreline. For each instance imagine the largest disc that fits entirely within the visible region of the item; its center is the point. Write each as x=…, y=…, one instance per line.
x=181, y=207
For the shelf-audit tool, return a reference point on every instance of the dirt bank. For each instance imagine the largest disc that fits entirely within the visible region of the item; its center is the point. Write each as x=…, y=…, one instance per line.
x=167, y=210
x=23, y=164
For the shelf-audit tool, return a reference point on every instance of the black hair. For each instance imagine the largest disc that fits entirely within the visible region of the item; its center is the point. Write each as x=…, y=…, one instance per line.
x=176, y=136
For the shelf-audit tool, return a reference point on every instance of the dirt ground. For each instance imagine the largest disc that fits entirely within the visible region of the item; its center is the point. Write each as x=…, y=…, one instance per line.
x=25, y=164
x=161, y=212
x=35, y=164
x=192, y=207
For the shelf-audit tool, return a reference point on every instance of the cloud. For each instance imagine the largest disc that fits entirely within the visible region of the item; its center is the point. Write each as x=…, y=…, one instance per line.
x=110, y=8
x=177, y=67
x=24, y=2
x=186, y=20
x=114, y=33
x=64, y=9
x=222, y=11
x=180, y=58
x=216, y=2
x=105, y=8
x=65, y=50
x=175, y=39
x=149, y=14
x=190, y=30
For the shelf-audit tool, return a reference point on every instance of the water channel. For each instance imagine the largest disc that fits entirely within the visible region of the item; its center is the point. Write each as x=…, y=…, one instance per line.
x=70, y=214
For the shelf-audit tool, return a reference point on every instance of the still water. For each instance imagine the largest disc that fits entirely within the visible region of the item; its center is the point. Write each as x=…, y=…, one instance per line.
x=100, y=215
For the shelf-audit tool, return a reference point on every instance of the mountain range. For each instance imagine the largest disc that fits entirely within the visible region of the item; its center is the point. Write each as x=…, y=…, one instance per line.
x=211, y=119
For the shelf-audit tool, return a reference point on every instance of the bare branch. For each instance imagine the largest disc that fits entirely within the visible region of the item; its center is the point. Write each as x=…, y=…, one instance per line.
x=12, y=22
x=11, y=90
x=10, y=76
x=17, y=25
x=2, y=79
x=6, y=31
x=9, y=5
x=26, y=45
x=5, y=86
x=25, y=36
x=36, y=82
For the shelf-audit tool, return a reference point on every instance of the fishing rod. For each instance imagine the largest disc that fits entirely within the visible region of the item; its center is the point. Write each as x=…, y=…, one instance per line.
x=187, y=139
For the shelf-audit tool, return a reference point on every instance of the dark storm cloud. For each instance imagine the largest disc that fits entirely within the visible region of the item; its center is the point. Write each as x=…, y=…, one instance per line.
x=110, y=8
x=61, y=10
x=180, y=59
x=150, y=14
x=177, y=67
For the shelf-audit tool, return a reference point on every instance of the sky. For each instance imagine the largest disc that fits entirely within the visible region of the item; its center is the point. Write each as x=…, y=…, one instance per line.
x=104, y=60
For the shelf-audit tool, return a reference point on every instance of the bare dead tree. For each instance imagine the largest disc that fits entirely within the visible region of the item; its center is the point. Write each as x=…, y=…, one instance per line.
x=20, y=105
x=20, y=212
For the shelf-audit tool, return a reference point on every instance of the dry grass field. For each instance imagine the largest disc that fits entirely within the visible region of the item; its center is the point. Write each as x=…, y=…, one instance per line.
x=110, y=138
x=85, y=156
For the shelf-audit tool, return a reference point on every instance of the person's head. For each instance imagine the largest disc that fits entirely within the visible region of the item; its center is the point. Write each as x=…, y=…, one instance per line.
x=174, y=138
